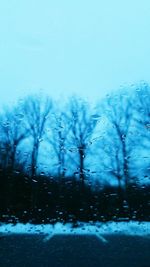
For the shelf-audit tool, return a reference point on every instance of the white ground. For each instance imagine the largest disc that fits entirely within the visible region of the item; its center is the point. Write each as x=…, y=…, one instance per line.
x=101, y=230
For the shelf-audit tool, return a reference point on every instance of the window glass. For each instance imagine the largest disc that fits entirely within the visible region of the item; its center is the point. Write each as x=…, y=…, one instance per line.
x=74, y=133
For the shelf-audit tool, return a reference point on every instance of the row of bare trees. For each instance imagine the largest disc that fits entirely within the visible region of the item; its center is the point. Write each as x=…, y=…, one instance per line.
x=45, y=146
x=28, y=129
x=38, y=131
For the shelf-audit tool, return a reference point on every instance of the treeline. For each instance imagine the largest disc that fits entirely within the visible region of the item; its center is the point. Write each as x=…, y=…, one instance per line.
x=72, y=161
x=67, y=201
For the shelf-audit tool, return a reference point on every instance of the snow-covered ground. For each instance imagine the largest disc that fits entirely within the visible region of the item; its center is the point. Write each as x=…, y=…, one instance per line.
x=101, y=230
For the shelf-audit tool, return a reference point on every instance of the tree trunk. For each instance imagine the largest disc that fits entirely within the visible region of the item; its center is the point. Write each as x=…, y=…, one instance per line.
x=81, y=168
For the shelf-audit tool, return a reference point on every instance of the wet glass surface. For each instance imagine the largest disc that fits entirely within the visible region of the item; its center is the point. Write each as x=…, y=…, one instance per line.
x=74, y=155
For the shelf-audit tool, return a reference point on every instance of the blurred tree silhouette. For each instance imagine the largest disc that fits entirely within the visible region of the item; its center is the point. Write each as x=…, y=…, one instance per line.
x=36, y=110
x=57, y=137
x=68, y=131
x=83, y=122
x=142, y=124
x=117, y=142
x=13, y=133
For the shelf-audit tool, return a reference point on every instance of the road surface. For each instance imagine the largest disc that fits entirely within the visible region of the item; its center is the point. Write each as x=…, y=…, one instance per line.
x=74, y=251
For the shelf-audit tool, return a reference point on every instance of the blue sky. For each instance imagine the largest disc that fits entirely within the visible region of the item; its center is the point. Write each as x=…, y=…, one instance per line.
x=65, y=47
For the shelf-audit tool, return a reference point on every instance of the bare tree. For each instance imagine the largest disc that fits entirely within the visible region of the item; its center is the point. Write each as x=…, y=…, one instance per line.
x=116, y=144
x=13, y=132
x=36, y=111
x=142, y=123
x=57, y=138
x=83, y=122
